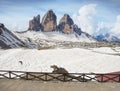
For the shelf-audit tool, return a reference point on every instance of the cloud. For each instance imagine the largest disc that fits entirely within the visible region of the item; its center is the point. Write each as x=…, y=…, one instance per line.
x=88, y=10
x=116, y=27
x=109, y=28
x=85, y=18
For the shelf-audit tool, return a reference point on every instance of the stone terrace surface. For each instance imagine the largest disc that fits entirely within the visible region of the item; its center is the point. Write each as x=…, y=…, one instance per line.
x=23, y=85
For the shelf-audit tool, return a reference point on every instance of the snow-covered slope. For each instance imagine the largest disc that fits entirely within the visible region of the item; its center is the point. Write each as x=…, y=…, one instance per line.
x=8, y=39
x=34, y=39
x=56, y=36
x=74, y=60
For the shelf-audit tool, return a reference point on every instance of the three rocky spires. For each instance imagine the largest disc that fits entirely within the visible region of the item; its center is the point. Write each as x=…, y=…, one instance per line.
x=49, y=23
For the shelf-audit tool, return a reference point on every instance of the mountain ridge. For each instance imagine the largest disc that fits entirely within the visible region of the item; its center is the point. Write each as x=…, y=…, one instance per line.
x=47, y=32
x=108, y=37
x=49, y=23
x=8, y=39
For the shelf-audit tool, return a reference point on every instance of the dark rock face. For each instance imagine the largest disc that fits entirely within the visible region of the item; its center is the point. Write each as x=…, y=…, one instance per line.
x=3, y=45
x=77, y=30
x=8, y=39
x=0, y=32
x=1, y=25
x=49, y=22
x=66, y=24
x=1, y=28
x=66, y=19
x=34, y=24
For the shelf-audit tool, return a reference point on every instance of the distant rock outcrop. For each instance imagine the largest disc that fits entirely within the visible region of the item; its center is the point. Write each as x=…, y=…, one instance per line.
x=77, y=29
x=49, y=22
x=34, y=24
x=66, y=24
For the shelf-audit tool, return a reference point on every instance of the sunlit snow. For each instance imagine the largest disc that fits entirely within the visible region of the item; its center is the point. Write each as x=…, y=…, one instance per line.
x=74, y=60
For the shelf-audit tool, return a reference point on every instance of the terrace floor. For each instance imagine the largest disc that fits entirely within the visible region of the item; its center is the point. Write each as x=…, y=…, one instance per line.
x=29, y=85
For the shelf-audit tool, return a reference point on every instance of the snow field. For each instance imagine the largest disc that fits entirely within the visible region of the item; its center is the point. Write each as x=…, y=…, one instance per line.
x=74, y=60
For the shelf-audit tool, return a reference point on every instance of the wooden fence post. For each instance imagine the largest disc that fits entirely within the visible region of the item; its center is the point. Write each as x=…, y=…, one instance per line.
x=9, y=74
x=46, y=76
x=102, y=80
x=64, y=75
x=119, y=78
x=26, y=75
x=83, y=77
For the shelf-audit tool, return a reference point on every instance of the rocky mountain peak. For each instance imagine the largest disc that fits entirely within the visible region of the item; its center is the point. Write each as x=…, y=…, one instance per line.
x=50, y=11
x=66, y=24
x=8, y=39
x=37, y=18
x=49, y=21
x=34, y=24
x=66, y=19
